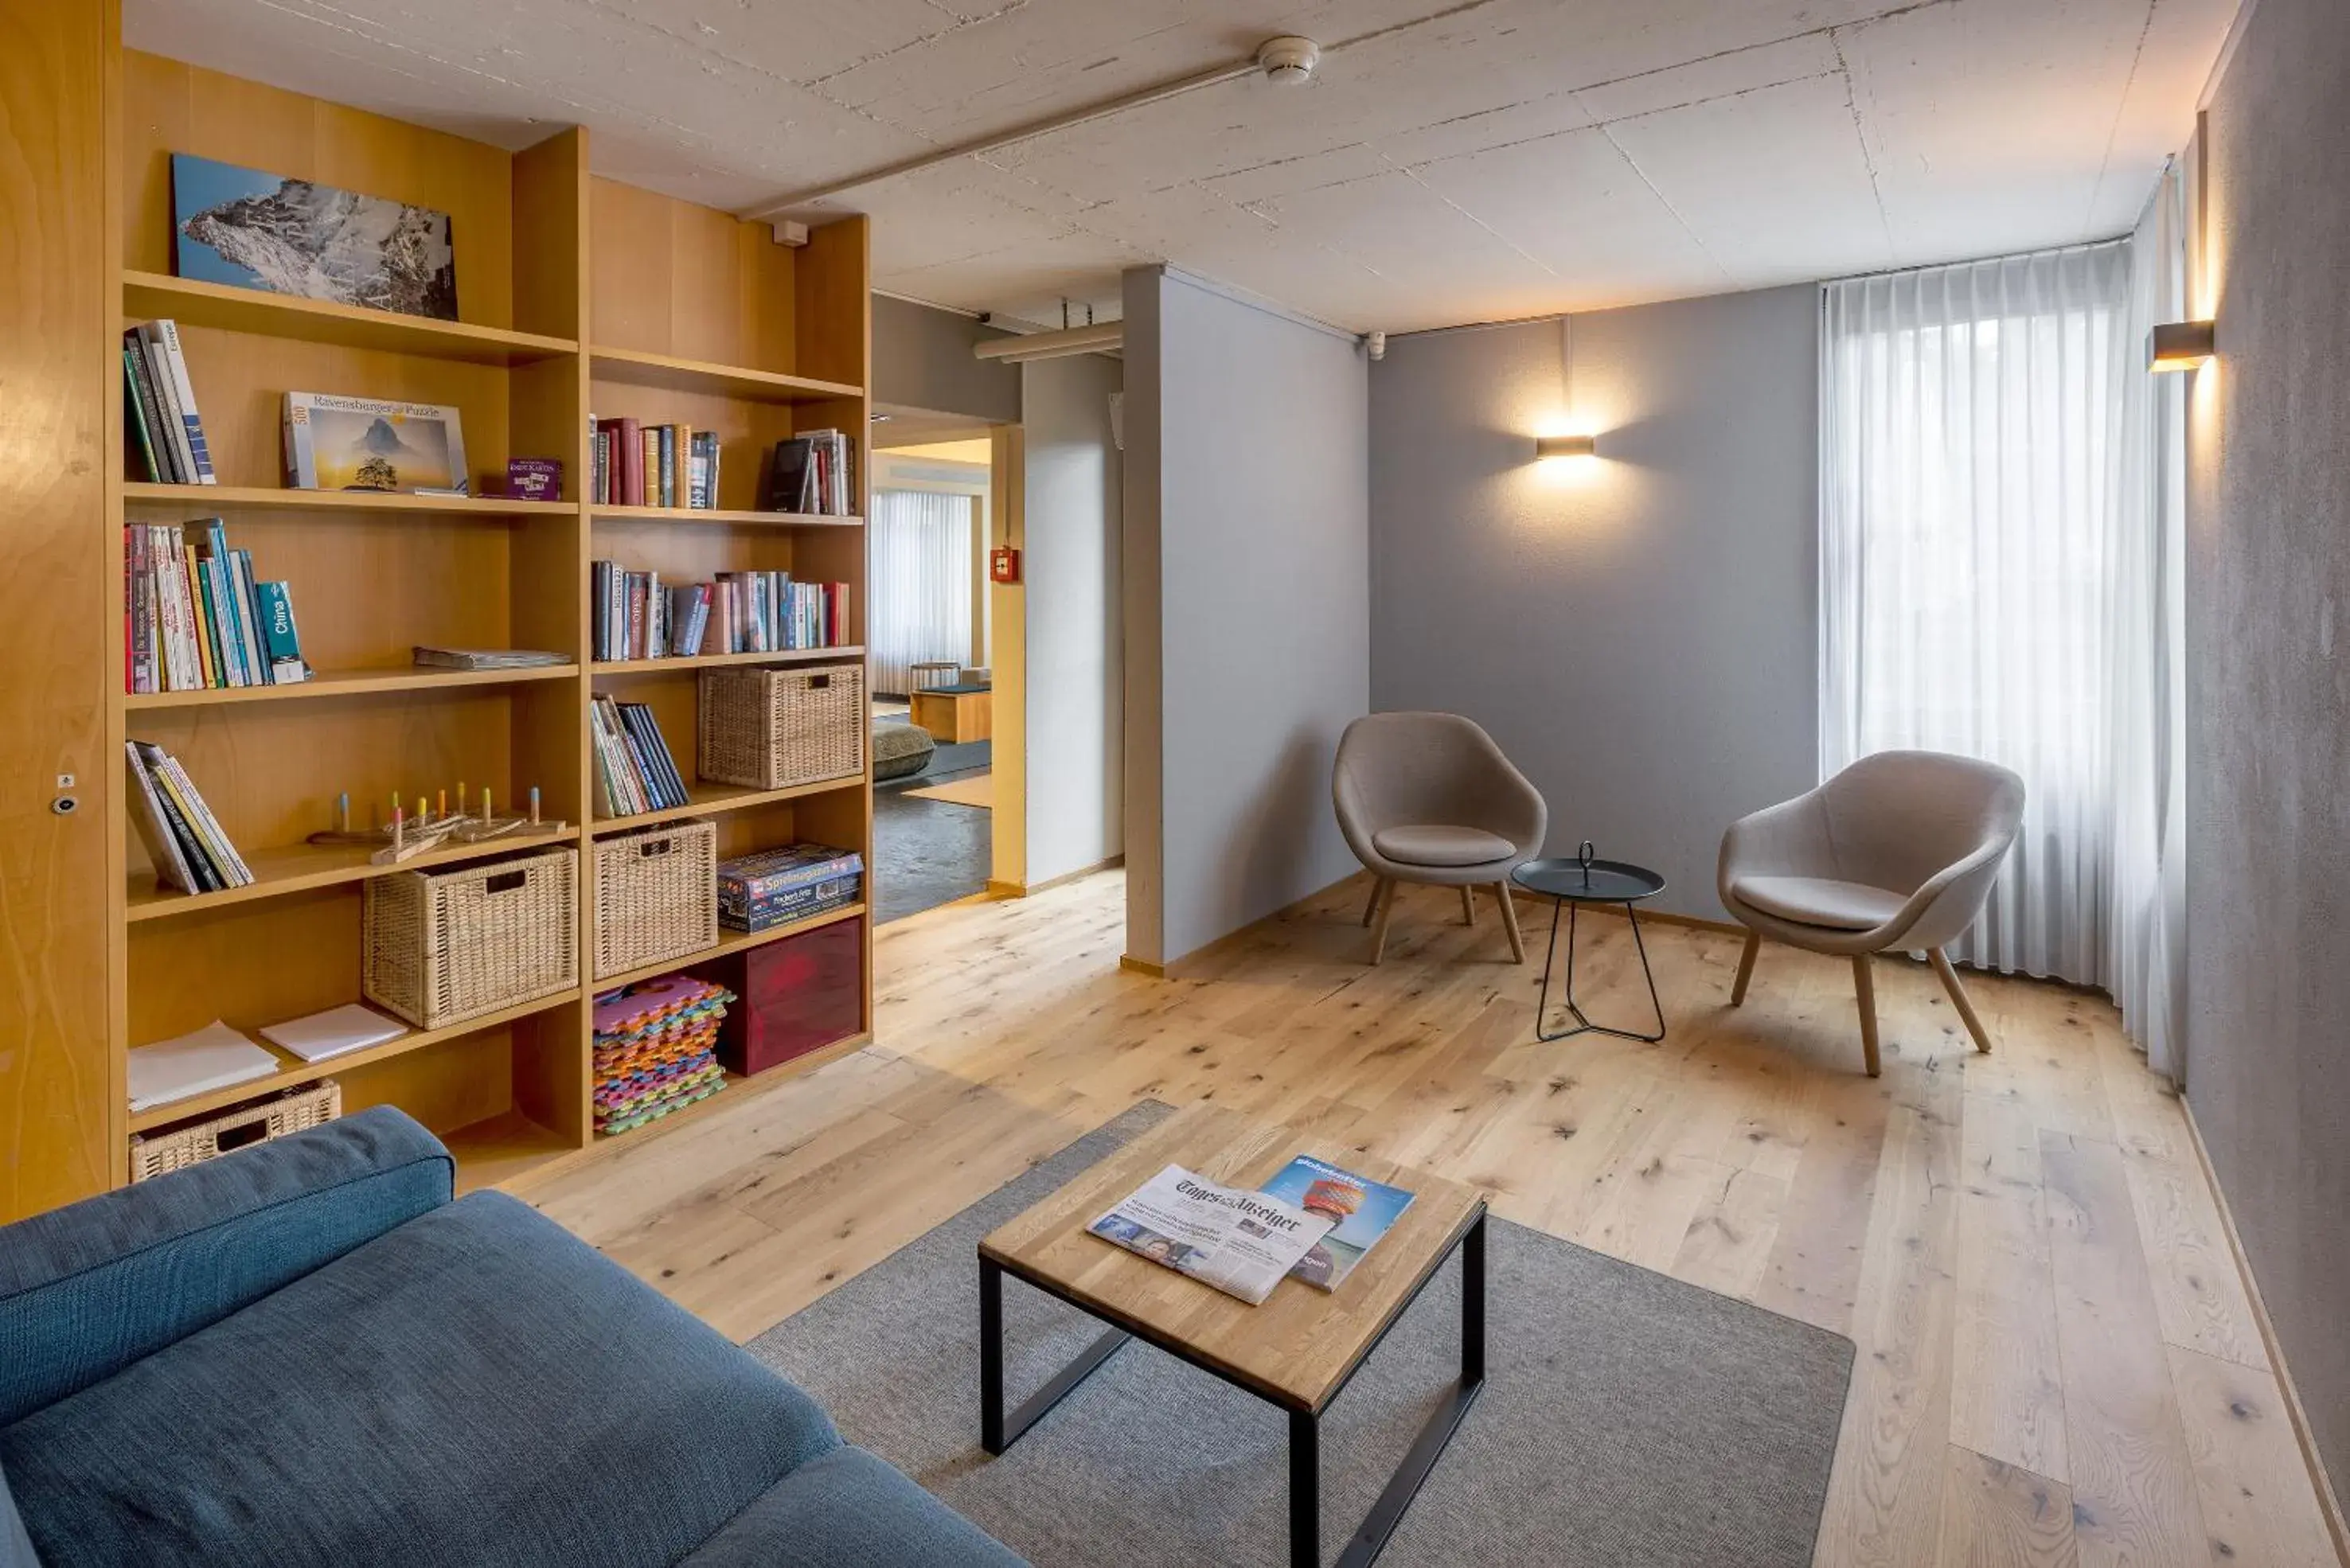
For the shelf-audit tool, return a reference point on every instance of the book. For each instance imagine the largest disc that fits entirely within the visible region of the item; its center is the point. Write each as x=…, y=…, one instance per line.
x=139, y=418
x=184, y=394
x=318, y=1035
x=1361, y=1212
x=195, y=617
x=174, y=867
x=1241, y=1243
x=634, y=769
x=487, y=657
x=203, y=853
x=366, y=443
x=213, y=1057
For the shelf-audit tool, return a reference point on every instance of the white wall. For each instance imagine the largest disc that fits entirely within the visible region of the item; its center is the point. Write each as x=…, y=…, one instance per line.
x=1637, y=630
x=1248, y=528
x=1076, y=691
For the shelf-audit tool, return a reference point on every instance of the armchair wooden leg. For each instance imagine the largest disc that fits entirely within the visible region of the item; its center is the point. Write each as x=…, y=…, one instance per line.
x=1379, y=930
x=1510, y=922
x=1380, y=885
x=1959, y=1000
x=1865, y=985
x=1468, y=905
x=1745, y=968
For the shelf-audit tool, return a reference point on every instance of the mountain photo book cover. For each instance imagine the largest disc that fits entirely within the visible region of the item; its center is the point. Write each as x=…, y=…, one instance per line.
x=366, y=443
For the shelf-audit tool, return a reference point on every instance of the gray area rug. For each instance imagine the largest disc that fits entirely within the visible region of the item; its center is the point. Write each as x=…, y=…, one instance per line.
x=1627, y=1419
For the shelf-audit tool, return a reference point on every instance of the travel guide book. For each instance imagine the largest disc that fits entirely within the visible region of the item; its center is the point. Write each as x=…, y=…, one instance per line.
x=1362, y=1211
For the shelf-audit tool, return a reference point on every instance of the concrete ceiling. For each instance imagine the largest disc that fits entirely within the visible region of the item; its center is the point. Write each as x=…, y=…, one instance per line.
x=1453, y=160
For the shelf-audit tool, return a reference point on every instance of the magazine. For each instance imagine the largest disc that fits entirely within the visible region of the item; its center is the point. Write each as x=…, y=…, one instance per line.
x=1241, y=1243
x=1361, y=1210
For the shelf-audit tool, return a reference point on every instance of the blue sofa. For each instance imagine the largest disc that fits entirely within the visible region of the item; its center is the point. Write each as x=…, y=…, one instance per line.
x=306, y=1353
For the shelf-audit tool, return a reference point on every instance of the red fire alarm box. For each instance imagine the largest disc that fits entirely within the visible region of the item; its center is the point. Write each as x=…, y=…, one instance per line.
x=1003, y=565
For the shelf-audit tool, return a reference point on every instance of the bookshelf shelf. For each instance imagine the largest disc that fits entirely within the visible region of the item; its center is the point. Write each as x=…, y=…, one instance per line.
x=736, y=942
x=349, y=683
x=711, y=516
x=715, y=799
x=583, y=298
x=293, y=1072
x=671, y=374
x=717, y=661
x=300, y=868
x=195, y=303
x=207, y=500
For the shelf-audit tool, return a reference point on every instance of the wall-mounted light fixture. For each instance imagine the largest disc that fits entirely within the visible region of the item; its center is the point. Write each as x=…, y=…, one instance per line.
x=2179, y=345
x=1558, y=445
x=1566, y=446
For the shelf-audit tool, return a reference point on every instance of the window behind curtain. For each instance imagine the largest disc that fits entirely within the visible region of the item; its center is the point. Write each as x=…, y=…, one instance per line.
x=1971, y=451
x=921, y=571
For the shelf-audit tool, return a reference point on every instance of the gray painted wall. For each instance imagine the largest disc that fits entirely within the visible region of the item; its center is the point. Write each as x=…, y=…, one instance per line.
x=2268, y=665
x=1076, y=683
x=1255, y=520
x=922, y=359
x=1638, y=630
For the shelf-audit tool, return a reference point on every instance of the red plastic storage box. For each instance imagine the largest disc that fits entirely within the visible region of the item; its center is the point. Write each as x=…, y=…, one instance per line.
x=795, y=994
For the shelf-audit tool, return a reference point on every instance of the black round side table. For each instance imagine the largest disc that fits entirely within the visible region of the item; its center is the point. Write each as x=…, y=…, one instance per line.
x=1571, y=884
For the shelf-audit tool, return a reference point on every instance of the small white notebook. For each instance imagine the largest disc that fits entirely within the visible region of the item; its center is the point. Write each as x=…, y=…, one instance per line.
x=349, y=1028
x=214, y=1057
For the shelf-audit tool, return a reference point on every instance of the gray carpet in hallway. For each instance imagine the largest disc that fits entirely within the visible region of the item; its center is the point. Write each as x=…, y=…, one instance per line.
x=1627, y=1419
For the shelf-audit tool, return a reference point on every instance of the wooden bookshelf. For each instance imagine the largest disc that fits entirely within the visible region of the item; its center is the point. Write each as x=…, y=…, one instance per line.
x=577, y=297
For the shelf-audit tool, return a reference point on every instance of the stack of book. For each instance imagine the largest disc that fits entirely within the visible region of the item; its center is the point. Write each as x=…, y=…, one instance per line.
x=194, y=618
x=632, y=761
x=811, y=473
x=632, y=464
x=637, y=616
x=776, y=886
x=656, y=1049
x=182, y=837
x=486, y=658
x=159, y=403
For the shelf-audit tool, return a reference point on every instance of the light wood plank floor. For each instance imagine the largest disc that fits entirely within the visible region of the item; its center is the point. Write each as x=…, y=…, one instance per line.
x=2057, y=1360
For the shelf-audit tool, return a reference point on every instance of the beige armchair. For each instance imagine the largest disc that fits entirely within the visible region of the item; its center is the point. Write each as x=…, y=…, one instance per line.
x=1896, y=853
x=1429, y=797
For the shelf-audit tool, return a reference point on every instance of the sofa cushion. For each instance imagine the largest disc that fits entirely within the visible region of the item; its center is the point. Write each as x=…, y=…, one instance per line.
x=1819, y=901
x=476, y=1386
x=15, y=1546
x=88, y=1289
x=1425, y=844
x=849, y=1510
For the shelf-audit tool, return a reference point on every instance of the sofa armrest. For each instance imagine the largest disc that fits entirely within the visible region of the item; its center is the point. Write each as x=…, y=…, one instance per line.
x=88, y=1289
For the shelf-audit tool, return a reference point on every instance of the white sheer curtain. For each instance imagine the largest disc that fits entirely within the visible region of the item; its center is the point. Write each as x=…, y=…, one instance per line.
x=1972, y=591
x=920, y=565
x=2145, y=966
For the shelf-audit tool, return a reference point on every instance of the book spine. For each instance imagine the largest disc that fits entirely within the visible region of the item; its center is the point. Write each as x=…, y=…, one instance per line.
x=175, y=434
x=233, y=870
x=138, y=608
x=135, y=414
x=632, y=464
x=172, y=868
x=185, y=390
x=604, y=779
x=283, y=642
x=191, y=572
x=203, y=875
x=632, y=767
x=248, y=615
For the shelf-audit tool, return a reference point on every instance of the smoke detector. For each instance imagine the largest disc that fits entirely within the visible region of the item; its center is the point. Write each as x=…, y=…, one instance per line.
x=1288, y=60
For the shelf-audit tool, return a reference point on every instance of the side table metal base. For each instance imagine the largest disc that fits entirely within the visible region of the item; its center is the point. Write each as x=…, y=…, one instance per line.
x=1583, y=1025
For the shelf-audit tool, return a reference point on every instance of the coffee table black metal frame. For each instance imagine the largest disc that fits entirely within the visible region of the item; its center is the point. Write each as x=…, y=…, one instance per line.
x=999, y=1431
x=1571, y=884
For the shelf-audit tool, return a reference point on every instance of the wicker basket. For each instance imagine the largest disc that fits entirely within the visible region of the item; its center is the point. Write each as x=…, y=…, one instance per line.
x=153, y=1154
x=655, y=895
x=440, y=945
x=771, y=728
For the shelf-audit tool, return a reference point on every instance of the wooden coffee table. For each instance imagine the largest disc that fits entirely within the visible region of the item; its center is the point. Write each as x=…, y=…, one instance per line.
x=1296, y=1351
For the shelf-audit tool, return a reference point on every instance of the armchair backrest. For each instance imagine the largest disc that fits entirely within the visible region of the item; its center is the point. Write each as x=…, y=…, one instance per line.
x=1898, y=819
x=1395, y=769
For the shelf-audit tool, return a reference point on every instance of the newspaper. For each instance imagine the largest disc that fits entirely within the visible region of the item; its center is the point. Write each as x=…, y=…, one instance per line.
x=1241, y=1243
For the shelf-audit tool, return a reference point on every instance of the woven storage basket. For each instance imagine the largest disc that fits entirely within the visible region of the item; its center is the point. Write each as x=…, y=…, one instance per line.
x=771, y=728
x=440, y=945
x=153, y=1154
x=655, y=895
